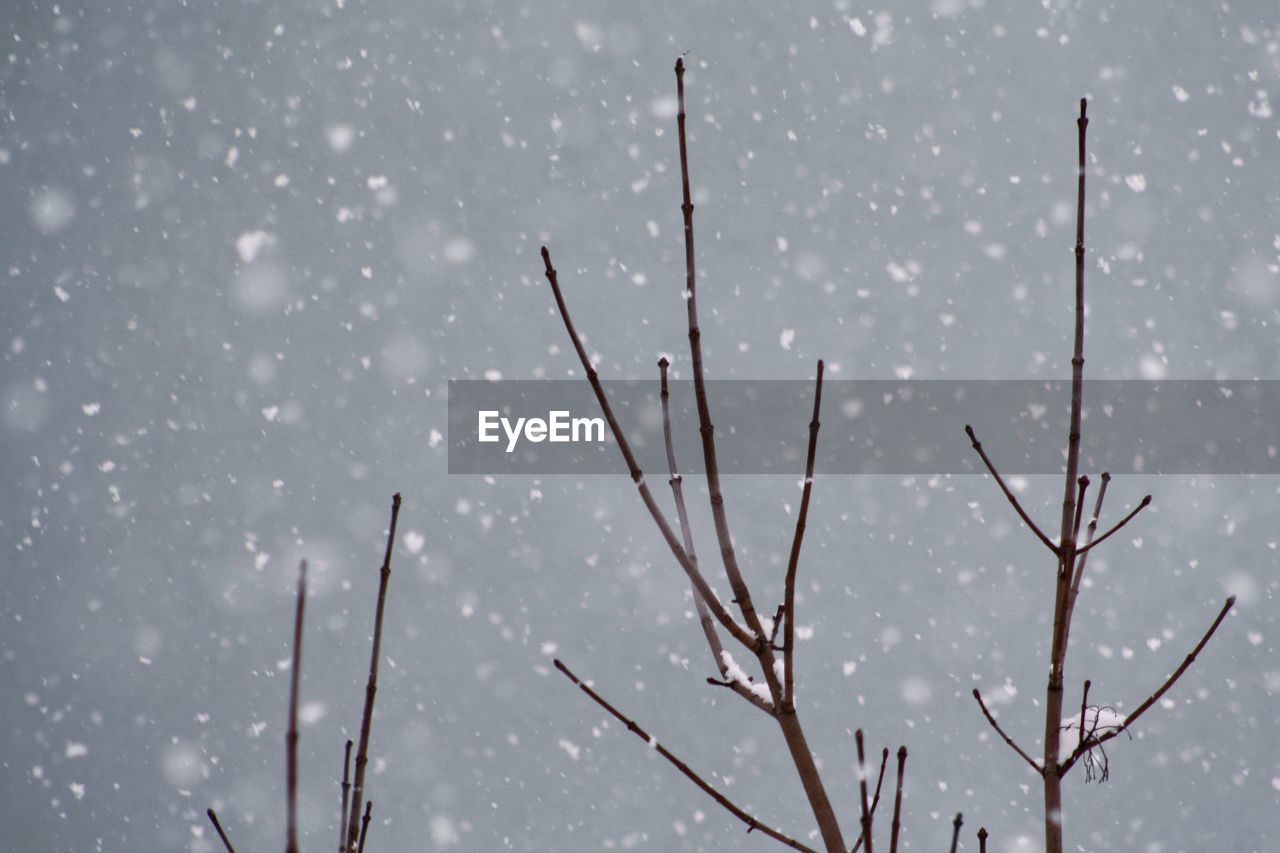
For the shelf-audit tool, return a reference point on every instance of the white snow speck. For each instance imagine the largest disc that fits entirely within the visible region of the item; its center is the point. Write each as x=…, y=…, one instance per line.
x=1137, y=183
x=859, y=28
x=574, y=751
x=250, y=243
x=787, y=337
x=91, y=409
x=850, y=667
x=1181, y=94
x=76, y=750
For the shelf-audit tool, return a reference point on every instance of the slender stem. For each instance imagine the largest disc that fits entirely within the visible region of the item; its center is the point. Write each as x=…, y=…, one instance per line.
x=1082, y=487
x=346, y=789
x=1067, y=544
x=788, y=721
x=955, y=835
x=1084, y=705
x=1000, y=731
x=982, y=839
x=897, y=801
x=1143, y=504
x=213, y=818
x=637, y=476
x=862, y=789
x=751, y=821
x=371, y=689
x=1008, y=493
x=788, y=640
x=364, y=825
x=291, y=737
x=875, y=800
x=1082, y=559
x=1098, y=740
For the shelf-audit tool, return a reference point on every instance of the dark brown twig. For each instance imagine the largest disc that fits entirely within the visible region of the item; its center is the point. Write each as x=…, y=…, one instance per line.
x=637, y=476
x=862, y=790
x=875, y=800
x=1000, y=731
x=291, y=736
x=1074, y=592
x=1143, y=504
x=346, y=789
x=788, y=637
x=982, y=839
x=751, y=821
x=364, y=825
x=213, y=818
x=371, y=689
x=955, y=835
x=1084, y=705
x=1008, y=493
x=1082, y=487
x=1098, y=740
x=897, y=801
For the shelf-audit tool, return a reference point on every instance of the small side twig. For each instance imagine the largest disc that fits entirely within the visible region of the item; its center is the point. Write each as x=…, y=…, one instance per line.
x=364, y=825
x=897, y=801
x=1000, y=731
x=1143, y=504
x=1008, y=493
x=213, y=818
x=955, y=835
x=1098, y=740
x=875, y=800
x=371, y=689
x=788, y=637
x=346, y=790
x=751, y=821
x=862, y=789
x=291, y=736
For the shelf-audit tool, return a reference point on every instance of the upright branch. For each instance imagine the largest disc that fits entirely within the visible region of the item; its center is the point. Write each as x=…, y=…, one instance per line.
x=862, y=790
x=346, y=792
x=371, y=689
x=955, y=833
x=789, y=607
x=213, y=818
x=291, y=737
x=897, y=801
x=752, y=822
x=982, y=839
x=875, y=800
x=364, y=825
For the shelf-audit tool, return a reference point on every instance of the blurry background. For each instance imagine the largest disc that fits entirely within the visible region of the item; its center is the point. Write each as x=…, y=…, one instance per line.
x=245, y=245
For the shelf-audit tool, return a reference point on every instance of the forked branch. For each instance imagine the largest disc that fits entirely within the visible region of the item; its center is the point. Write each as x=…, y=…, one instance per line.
x=1099, y=739
x=751, y=821
x=1001, y=732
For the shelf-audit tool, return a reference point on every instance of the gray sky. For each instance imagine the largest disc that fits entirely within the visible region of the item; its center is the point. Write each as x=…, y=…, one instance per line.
x=246, y=245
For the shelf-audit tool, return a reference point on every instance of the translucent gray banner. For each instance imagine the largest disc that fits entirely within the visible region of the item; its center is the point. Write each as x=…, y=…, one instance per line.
x=869, y=426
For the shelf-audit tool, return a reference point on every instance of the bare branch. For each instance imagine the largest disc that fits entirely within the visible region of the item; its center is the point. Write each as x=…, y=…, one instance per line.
x=982, y=839
x=1082, y=487
x=1084, y=704
x=1078, y=576
x=862, y=789
x=788, y=641
x=1008, y=493
x=364, y=825
x=955, y=835
x=213, y=818
x=751, y=821
x=1104, y=537
x=897, y=801
x=637, y=476
x=875, y=800
x=1000, y=731
x=346, y=788
x=1098, y=740
x=291, y=736
x=371, y=689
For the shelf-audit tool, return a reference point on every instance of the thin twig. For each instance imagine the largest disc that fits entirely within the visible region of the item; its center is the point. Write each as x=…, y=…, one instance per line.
x=371, y=689
x=875, y=800
x=1008, y=493
x=346, y=789
x=788, y=639
x=982, y=839
x=686, y=532
x=1098, y=740
x=752, y=822
x=1083, y=558
x=637, y=475
x=291, y=736
x=364, y=825
x=1082, y=487
x=1000, y=731
x=862, y=789
x=213, y=818
x=1084, y=704
x=955, y=835
x=1143, y=504
x=897, y=801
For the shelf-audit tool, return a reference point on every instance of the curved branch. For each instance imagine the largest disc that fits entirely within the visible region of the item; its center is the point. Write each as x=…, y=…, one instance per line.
x=788, y=641
x=1000, y=731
